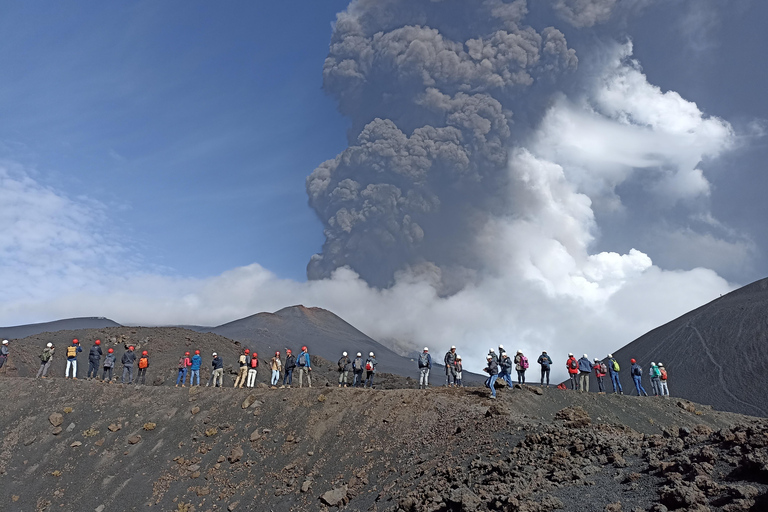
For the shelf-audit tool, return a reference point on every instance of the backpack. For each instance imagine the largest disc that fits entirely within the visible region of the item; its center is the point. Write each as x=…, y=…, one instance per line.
x=302, y=360
x=46, y=355
x=341, y=364
x=615, y=364
x=71, y=351
x=603, y=368
x=368, y=365
x=181, y=363
x=423, y=360
x=254, y=362
x=357, y=364
x=143, y=362
x=561, y=386
x=637, y=371
x=573, y=364
x=523, y=362
x=242, y=359
x=663, y=373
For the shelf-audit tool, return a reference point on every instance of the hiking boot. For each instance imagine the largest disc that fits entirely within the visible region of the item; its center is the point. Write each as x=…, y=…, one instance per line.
x=492, y=397
x=74, y=378
x=288, y=386
x=282, y=387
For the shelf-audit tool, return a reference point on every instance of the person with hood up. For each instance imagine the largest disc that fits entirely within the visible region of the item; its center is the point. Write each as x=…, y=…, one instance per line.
x=344, y=363
x=505, y=369
x=72, y=352
x=46, y=358
x=585, y=370
x=613, y=371
x=184, y=363
x=663, y=376
x=357, y=371
x=109, y=365
x=546, y=364
x=637, y=376
x=305, y=366
x=94, y=358
x=459, y=369
x=425, y=364
x=573, y=371
x=242, y=373
x=129, y=357
x=253, y=364
x=370, y=370
x=450, y=369
x=600, y=371
x=290, y=365
x=276, y=365
x=492, y=369
x=655, y=374
x=217, y=364
x=521, y=364
x=194, y=367
x=141, y=377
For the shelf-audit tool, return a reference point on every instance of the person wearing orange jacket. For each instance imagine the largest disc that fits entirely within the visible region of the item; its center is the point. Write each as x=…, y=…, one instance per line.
x=573, y=371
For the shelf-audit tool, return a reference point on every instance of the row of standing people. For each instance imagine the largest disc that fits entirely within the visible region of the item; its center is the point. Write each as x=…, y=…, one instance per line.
x=580, y=370
x=128, y=360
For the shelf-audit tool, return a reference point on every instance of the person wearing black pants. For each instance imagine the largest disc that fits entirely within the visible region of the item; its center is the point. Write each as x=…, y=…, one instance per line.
x=546, y=363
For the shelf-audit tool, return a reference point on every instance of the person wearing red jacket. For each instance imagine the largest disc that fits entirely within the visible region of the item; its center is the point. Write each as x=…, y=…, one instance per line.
x=184, y=363
x=573, y=371
x=600, y=372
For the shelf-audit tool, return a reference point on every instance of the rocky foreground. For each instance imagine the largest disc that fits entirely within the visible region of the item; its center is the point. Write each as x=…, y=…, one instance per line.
x=87, y=445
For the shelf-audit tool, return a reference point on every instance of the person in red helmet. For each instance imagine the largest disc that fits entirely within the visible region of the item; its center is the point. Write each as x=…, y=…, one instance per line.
x=184, y=363
x=72, y=352
x=637, y=375
x=143, y=365
x=128, y=359
x=276, y=365
x=194, y=368
x=243, y=372
x=109, y=365
x=253, y=364
x=94, y=358
x=305, y=366
x=290, y=365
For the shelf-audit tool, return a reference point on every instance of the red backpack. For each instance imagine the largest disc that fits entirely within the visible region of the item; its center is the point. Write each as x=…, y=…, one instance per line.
x=663, y=373
x=254, y=362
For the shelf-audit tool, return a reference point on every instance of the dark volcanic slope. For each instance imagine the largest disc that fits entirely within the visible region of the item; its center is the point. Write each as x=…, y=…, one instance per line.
x=716, y=354
x=324, y=333
x=22, y=331
x=83, y=446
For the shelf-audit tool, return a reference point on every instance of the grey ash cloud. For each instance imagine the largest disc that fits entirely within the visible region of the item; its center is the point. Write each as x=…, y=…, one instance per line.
x=434, y=91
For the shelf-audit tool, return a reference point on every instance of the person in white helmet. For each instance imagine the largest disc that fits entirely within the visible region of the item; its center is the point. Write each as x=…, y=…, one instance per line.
x=344, y=363
x=459, y=369
x=370, y=370
x=450, y=367
x=3, y=353
x=425, y=364
x=46, y=358
x=357, y=371
x=613, y=371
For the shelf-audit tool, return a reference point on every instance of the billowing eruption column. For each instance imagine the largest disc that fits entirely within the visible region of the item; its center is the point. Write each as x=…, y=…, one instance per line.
x=437, y=92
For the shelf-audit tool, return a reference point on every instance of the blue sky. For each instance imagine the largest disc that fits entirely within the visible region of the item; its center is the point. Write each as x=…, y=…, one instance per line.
x=154, y=155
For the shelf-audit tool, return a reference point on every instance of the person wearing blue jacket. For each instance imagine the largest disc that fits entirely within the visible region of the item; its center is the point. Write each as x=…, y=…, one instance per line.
x=425, y=364
x=585, y=370
x=613, y=371
x=637, y=375
x=94, y=358
x=197, y=362
x=305, y=366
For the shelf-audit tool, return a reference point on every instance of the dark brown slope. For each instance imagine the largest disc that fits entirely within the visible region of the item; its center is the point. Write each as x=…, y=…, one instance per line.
x=201, y=449
x=716, y=354
x=22, y=331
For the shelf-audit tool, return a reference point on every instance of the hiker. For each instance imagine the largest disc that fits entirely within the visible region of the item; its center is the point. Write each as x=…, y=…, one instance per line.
x=46, y=358
x=305, y=366
x=109, y=365
x=613, y=370
x=493, y=355
x=94, y=358
x=194, y=368
x=425, y=364
x=450, y=369
x=290, y=365
x=344, y=363
x=357, y=371
x=493, y=373
x=72, y=352
x=3, y=353
x=663, y=377
x=370, y=370
x=655, y=374
x=501, y=351
x=253, y=364
x=546, y=363
x=127, y=361
x=521, y=364
x=573, y=371
x=459, y=368
x=276, y=365
x=242, y=374
x=600, y=370
x=218, y=371
x=141, y=378
x=637, y=375
x=585, y=370
x=505, y=369
x=184, y=363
